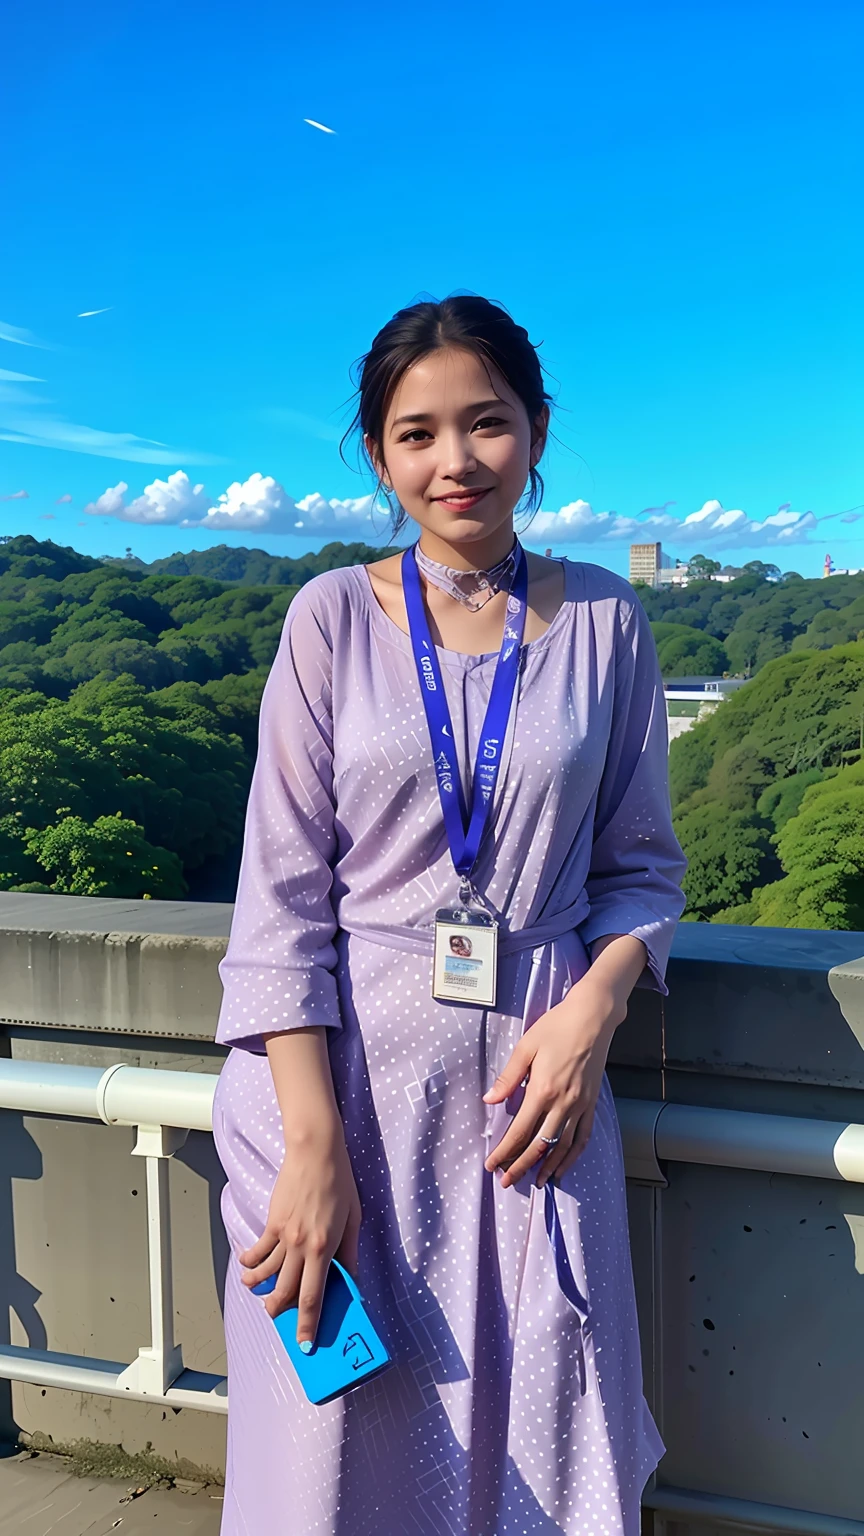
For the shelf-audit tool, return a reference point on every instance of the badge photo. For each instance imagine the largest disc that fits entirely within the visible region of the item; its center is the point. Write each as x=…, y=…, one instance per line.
x=465, y=957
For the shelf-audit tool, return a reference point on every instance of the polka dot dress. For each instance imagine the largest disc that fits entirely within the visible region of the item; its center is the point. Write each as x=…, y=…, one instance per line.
x=509, y=1410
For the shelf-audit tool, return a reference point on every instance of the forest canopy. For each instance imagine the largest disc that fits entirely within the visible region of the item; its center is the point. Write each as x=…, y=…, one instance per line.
x=768, y=796
x=129, y=699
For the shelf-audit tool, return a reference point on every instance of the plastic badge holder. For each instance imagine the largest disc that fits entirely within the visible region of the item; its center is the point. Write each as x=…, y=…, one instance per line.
x=347, y=1350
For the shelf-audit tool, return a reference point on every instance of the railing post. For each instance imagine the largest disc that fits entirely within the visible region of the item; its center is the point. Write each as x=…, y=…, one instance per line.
x=160, y=1363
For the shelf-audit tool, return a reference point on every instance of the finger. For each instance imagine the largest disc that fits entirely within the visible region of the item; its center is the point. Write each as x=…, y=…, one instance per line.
x=260, y=1250
x=580, y=1142
x=512, y=1075
x=555, y=1156
x=253, y=1274
x=311, y=1296
x=536, y=1149
x=348, y=1251
x=521, y=1130
x=284, y=1294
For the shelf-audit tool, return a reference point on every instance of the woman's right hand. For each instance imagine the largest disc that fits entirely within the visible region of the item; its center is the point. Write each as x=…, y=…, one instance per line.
x=314, y=1216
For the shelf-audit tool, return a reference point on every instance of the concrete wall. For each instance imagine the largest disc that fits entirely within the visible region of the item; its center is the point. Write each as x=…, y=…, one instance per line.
x=750, y=1285
x=91, y=983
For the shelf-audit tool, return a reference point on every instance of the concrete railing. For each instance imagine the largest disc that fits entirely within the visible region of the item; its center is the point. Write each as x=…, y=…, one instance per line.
x=741, y=1103
x=163, y=1106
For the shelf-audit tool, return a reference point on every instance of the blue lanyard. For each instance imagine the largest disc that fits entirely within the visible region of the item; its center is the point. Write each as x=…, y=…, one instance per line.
x=463, y=834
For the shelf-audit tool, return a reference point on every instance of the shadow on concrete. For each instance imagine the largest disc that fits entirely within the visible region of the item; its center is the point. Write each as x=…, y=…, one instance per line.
x=20, y=1158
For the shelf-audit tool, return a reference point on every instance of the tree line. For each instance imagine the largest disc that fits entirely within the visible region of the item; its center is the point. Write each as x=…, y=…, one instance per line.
x=737, y=627
x=128, y=718
x=129, y=699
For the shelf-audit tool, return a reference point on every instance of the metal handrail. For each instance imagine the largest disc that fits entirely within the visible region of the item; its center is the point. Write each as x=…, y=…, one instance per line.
x=165, y=1105
x=120, y=1095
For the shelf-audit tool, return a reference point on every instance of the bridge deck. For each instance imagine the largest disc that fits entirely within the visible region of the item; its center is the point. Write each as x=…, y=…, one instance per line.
x=39, y=1496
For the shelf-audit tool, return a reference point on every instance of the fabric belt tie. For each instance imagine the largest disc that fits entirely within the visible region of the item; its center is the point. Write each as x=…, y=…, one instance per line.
x=420, y=941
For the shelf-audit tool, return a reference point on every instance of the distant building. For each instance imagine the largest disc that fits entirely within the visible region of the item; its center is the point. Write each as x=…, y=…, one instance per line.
x=702, y=687
x=670, y=575
x=646, y=562
x=649, y=564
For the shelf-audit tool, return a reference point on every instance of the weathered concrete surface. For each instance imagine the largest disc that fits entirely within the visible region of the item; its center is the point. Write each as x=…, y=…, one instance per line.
x=39, y=1496
x=750, y=1286
x=104, y=914
x=757, y=1003
x=73, y=1265
x=73, y=1276
x=138, y=967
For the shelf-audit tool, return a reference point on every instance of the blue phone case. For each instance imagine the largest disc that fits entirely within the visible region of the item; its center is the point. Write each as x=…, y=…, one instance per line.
x=347, y=1349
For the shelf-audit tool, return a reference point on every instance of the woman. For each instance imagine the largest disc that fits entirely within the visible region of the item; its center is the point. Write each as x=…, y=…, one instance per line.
x=461, y=1157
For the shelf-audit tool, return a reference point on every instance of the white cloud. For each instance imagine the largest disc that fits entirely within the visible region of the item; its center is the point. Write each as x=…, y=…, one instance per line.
x=171, y=501
x=260, y=504
x=16, y=496
x=8, y=377
x=20, y=337
x=254, y=505
x=53, y=432
x=713, y=525
x=257, y=503
x=23, y=421
x=350, y=519
x=61, y=500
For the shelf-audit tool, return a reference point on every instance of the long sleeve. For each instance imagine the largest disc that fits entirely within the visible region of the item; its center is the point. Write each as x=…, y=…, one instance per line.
x=634, y=881
x=277, y=973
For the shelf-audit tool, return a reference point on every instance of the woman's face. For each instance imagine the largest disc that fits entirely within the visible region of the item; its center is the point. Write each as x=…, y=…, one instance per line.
x=457, y=446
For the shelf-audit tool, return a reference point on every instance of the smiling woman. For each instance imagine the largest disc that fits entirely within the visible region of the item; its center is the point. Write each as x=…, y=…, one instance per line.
x=459, y=861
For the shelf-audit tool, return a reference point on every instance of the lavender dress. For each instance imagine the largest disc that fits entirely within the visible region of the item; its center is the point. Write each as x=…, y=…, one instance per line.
x=510, y=1412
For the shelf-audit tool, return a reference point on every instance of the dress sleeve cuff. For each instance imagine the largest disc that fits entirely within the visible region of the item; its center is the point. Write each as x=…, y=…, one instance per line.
x=656, y=934
x=266, y=1000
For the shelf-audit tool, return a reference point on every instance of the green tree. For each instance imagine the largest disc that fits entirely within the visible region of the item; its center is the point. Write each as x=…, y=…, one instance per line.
x=822, y=851
x=108, y=857
x=174, y=770
x=782, y=798
x=702, y=566
x=685, y=651
x=691, y=757
x=729, y=854
x=18, y=866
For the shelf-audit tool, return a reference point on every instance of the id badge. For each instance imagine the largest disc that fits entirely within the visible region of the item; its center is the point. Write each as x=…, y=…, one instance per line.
x=465, y=960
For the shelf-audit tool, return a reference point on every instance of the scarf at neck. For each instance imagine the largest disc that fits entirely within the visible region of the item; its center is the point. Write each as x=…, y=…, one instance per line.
x=472, y=589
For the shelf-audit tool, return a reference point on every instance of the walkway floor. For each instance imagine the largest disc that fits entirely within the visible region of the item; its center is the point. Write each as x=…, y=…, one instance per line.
x=39, y=1496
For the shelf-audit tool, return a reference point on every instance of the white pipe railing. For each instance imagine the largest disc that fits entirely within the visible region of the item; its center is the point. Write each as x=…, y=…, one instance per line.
x=121, y=1095
x=732, y=1138
x=164, y=1106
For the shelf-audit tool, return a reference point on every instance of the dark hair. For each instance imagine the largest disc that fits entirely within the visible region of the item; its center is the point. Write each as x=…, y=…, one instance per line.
x=466, y=321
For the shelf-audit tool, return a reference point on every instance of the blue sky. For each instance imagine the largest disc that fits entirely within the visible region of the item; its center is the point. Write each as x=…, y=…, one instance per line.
x=668, y=196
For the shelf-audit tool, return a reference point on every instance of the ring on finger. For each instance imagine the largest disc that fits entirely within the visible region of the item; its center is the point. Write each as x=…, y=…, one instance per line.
x=550, y=1141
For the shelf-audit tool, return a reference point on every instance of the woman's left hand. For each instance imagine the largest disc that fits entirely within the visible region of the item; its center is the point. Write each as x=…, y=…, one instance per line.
x=563, y=1057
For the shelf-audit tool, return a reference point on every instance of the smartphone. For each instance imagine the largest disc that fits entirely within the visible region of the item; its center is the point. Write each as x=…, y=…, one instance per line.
x=347, y=1349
